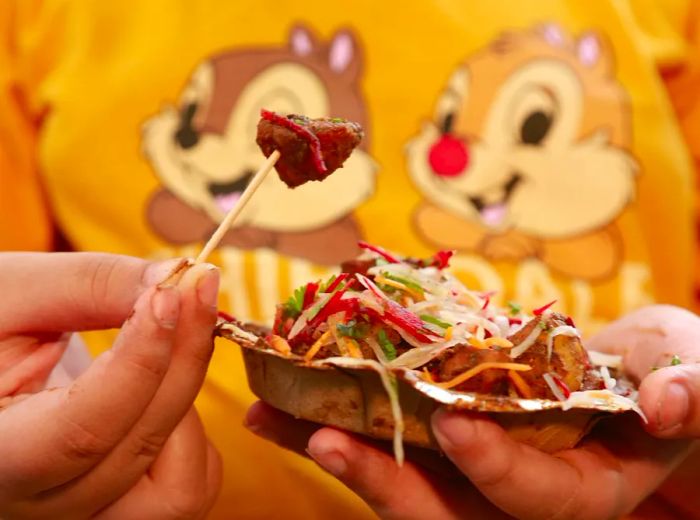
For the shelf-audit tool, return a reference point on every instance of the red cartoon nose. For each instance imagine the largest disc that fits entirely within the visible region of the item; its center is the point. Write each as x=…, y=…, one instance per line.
x=449, y=156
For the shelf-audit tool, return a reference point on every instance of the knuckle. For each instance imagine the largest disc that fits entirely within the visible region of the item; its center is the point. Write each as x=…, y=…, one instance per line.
x=150, y=365
x=82, y=444
x=101, y=276
x=147, y=444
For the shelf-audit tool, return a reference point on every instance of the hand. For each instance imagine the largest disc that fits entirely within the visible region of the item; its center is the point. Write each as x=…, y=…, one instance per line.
x=608, y=475
x=122, y=441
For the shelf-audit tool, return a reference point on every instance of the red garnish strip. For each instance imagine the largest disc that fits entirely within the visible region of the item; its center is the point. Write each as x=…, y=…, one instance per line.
x=380, y=251
x=339, y=279
x=408, y=321
x=514, y=321
x=309, y=295
x=562, y=385
x=304, y=133
x=540, y=310
x=570, y=322
x=441, y=259
x=486, y=302
x=334, y=304
x=225, y=316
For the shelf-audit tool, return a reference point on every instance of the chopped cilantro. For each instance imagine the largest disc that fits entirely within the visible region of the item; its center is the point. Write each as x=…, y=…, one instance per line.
x=353, y=330
x=675, y=361
x=387, y=346
x=435, y=321
x=515, y=308
x=337, y=120
x=381, y=261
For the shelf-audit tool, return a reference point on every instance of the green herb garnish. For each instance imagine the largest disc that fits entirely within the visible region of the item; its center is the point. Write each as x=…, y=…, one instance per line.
x=337, y=120
x=387, y=346
x=435, y=321
x=408, y=283
x=292, y=307
x=515, y=308
x=353, y=330
x=675, y=360
x=323, y=286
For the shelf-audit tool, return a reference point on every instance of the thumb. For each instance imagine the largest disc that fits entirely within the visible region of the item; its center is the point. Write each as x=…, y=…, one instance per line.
x=670, y=398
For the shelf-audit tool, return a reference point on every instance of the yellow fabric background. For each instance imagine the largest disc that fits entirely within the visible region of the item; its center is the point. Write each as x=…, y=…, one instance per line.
x=90, y=73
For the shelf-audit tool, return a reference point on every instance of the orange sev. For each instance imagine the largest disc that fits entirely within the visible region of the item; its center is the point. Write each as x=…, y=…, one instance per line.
x=317, y=346
x=520, y=384
x=464, y=376
x=279, y=344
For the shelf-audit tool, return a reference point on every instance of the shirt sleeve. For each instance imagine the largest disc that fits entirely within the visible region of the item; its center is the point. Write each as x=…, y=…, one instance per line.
x=24, y=215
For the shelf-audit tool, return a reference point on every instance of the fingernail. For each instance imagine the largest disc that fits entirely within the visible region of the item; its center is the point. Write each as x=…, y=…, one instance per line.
x=208, y=285
x=165, y=305
x=451, y=428
x=332, y=461
x=673, y=407
x=156, y=273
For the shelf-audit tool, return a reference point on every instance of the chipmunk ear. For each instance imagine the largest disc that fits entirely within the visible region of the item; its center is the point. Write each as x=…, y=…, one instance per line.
x=553, y=34
x=344, y=53
x=593, y=51
x=301, y=41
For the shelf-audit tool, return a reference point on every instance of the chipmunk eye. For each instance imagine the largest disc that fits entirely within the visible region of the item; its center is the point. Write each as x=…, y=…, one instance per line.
x=535, y=127
x=447, y=123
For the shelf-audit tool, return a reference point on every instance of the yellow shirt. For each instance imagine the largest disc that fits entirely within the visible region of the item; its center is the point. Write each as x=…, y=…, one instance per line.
x=540, y=142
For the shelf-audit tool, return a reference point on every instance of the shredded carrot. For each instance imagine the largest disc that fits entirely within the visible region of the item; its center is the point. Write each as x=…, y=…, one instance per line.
x=461, y=378
x=427, y=375
x=317, y=346
x=521, y=386
x=353, y=348
x=498, y=342
x=279, y=344
x=448, y=333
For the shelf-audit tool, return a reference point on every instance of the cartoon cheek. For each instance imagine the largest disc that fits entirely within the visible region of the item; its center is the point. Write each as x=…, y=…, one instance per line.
x=449, y=156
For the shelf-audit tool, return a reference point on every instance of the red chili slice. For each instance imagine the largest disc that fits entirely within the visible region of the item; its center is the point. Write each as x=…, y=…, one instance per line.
x=338, y=280
x=309, y=294
x=540, y=310
x=380, y=251
x=225, y=316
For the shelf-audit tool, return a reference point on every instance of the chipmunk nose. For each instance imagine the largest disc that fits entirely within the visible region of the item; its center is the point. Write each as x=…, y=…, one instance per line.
x=449, y=156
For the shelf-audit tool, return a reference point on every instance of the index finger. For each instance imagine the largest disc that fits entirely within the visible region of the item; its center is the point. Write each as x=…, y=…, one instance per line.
x=54, y=436
x=650, y=337
x=71, y=291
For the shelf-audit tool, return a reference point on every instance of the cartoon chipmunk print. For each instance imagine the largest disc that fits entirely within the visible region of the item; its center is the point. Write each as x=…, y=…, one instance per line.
x=204, y=151
x=527, y=155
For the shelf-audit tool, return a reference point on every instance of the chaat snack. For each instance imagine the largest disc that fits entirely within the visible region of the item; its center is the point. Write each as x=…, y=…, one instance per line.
x=377, y=348
x=310, y=149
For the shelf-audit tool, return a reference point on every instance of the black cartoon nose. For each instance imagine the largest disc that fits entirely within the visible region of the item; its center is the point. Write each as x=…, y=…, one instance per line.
x=186, y=135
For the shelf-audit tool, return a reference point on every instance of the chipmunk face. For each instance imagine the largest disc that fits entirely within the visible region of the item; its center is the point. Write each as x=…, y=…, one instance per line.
x=530, y=134
x=204, y=150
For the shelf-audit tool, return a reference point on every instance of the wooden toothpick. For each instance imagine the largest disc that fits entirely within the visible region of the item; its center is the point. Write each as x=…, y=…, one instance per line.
x=236, y=210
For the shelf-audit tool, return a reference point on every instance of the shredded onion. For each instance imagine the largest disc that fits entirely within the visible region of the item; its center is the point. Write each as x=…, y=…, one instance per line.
x=563, y=330
x=530, y=340
x=390, y=384
x=610, y=382
x=553, y=387
x=607, y=360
